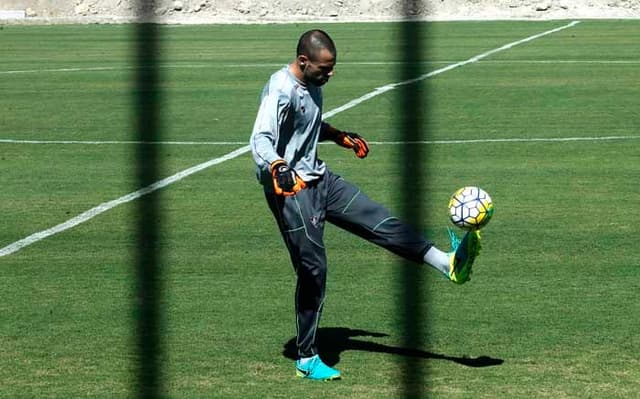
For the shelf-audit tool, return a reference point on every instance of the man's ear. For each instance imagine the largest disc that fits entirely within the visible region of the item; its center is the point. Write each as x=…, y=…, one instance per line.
x=302, y=61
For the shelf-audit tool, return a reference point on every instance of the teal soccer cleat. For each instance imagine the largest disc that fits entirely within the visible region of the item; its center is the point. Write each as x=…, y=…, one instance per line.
x=462, y=256
x=315, y=369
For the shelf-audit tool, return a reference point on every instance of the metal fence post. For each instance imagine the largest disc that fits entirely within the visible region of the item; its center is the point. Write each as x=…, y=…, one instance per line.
x=148, y=260
x=411, y=113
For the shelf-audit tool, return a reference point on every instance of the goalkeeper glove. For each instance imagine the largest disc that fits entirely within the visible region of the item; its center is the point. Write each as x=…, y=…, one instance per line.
x=285, y=180
x=353, y=141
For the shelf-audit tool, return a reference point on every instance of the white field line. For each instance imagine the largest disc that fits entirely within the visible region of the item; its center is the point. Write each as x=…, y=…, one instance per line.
x=449, y=141
x=606, y=62
x=97, y=142
x=511, y=140
x=93, y=212
x=384, y=89
x=276, y=65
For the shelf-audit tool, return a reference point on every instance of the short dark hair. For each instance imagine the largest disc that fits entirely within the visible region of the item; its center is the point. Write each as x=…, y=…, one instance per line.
x=311, y=42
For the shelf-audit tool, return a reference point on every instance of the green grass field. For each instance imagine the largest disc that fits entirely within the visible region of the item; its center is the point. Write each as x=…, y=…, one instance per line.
x=551, y=311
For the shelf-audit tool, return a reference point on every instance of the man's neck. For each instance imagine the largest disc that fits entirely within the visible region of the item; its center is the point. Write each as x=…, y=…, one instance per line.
x=297, y=73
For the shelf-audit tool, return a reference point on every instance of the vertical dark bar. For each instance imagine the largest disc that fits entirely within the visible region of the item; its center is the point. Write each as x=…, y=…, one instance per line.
x=147, y=378
x=411, y=112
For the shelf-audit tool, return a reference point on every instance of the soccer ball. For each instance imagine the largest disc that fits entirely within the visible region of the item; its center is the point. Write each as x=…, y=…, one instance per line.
x=470, y=208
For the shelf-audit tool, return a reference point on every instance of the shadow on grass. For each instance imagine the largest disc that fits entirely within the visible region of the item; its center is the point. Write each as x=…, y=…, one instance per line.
x=332, y=341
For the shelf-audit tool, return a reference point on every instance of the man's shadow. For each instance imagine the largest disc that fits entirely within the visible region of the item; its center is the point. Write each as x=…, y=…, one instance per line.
x=332, y=341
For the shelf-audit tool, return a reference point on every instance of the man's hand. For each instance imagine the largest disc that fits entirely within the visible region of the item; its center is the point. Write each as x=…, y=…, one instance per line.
x=353, y=141
x=285, y=180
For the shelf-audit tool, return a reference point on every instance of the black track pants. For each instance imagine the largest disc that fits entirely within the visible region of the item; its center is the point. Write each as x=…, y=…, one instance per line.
x=301, y=220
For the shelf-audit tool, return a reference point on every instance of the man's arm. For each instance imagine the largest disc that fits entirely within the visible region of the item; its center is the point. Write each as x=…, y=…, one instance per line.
x=345, y=139
x=266, y=130
x=328, y=132
x=273, y=111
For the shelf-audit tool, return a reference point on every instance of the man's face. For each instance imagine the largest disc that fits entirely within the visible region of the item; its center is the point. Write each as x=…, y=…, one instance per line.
x=318, y=71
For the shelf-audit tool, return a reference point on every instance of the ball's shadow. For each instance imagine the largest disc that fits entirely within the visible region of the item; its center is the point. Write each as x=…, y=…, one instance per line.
x=332, y=341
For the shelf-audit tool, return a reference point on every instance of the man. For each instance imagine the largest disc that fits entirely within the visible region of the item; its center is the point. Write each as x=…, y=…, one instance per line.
x=303, y=193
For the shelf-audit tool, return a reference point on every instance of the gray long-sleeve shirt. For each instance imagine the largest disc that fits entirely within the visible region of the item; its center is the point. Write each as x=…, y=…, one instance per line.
x=288, y=127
